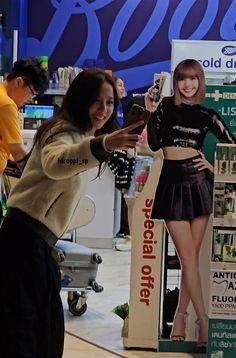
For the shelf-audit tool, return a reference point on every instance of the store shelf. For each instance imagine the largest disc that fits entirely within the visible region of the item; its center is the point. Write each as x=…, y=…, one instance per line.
x=224, y=266
x=225, y=178
x=55, y=92
x=171, y=284
x=224, y=228
x=224, y=222
x=173, y=262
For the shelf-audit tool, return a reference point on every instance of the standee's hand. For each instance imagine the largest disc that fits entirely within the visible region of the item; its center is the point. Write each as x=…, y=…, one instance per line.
x=202, y=163
x=121, y=139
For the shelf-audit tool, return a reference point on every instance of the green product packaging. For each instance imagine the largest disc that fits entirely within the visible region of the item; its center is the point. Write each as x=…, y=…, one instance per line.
x=43, y=60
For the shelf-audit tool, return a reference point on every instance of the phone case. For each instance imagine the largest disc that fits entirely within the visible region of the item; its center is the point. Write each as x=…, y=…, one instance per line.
x=136, y=114
x=159, y=80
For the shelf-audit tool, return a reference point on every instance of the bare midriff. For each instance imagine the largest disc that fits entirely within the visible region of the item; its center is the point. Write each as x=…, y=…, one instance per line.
x=178, y=153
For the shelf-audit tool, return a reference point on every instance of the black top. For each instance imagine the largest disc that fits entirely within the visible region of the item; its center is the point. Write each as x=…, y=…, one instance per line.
x=122, y=166
x=184, y=126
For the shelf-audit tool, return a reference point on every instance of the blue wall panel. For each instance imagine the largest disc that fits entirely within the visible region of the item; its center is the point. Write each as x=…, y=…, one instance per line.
x=15, y=18
x=132, y=36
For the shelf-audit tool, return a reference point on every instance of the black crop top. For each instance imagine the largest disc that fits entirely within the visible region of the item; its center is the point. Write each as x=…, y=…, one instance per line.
x=184, y=126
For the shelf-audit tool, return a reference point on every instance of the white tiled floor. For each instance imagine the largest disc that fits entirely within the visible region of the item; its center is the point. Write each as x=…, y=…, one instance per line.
x=75, y=347
x=98, y=327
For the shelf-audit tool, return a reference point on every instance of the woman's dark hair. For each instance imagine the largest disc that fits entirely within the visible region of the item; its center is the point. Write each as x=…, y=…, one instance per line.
x=189, y=68
x=30, y=70
x=73, y=115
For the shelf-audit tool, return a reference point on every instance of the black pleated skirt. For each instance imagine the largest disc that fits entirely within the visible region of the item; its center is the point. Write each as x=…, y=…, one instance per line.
x=183, y=192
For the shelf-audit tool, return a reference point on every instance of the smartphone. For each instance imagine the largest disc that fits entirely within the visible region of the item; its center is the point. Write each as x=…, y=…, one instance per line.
x=136, y=114
x=158, y=87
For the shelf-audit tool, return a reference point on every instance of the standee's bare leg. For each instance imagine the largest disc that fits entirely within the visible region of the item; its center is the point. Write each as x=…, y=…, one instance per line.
x=187, y=237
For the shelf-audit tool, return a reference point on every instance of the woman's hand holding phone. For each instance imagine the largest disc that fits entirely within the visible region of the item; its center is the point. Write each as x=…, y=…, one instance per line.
x=122, y=138
x=135, y=114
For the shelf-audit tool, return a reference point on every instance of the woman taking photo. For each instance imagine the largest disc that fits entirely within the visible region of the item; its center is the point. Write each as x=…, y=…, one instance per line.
x=183, y=197
x=41, y=207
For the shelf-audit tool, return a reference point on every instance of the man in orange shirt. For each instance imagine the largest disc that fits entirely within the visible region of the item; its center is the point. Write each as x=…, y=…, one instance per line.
x=26, y=80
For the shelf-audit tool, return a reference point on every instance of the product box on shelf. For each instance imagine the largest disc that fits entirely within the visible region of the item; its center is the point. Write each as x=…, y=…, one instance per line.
x=232, y=159
x=229, y=253
x=224, y=245
x=225, y=158
x=219, y=200
x=225, y=200
x=142, y=169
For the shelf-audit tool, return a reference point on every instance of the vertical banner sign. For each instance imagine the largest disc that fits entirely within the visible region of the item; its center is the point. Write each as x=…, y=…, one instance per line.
x=221, y=98
x=222, y=314
x=145, y=277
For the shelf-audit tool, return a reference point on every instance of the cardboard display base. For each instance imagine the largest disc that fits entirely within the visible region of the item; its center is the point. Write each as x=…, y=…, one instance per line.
x=184, y=347
x=146, y=257
x=142, y=329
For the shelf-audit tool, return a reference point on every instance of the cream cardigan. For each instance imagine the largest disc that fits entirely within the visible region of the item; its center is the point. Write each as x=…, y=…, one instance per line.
x=55, y=179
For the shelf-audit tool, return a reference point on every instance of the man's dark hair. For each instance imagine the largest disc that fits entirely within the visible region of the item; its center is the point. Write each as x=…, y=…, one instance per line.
x=30, y=70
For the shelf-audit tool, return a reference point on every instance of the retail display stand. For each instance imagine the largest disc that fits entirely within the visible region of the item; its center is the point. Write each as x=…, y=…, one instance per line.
x=222, y=299
x=145, y=281
x=142, y=328
x=221, y=98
